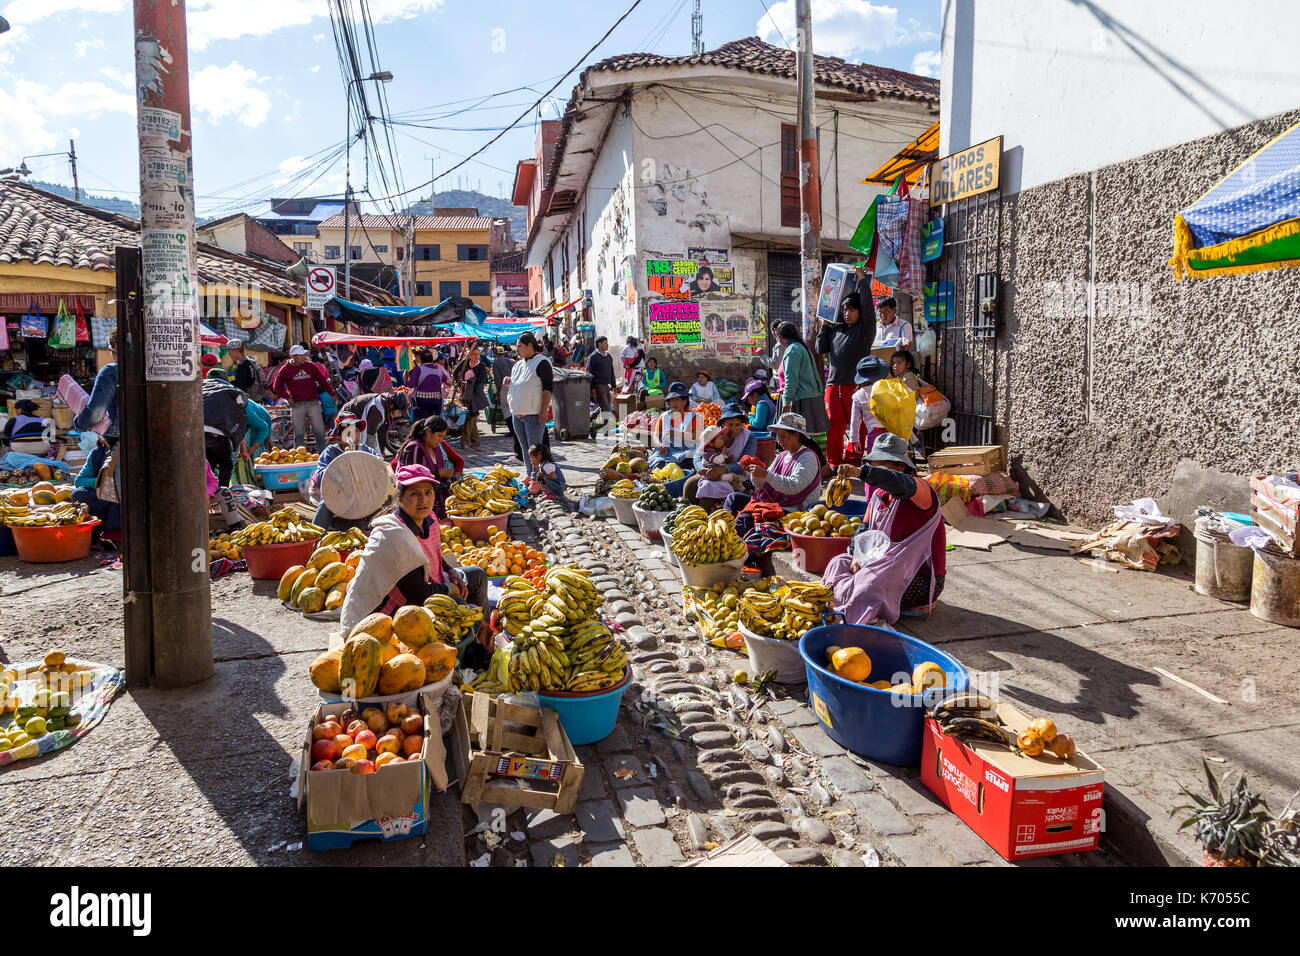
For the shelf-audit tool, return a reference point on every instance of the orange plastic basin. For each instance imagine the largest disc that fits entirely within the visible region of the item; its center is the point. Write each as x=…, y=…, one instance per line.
x=50, y=545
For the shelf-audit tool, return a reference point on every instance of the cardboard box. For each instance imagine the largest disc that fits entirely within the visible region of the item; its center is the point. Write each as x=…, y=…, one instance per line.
x=533, y=768
x=1274, y=508
x=1021, y=806
x=968, y=460
x=389, y=804
x=655, y=401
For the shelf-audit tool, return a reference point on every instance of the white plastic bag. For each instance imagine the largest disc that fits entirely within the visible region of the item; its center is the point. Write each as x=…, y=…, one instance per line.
x=869, y=545
x=1144, y=511
x=926, y=343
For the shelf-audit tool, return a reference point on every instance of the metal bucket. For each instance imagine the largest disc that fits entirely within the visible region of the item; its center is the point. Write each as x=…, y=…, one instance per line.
x=1223, y=570
x=1275, y=587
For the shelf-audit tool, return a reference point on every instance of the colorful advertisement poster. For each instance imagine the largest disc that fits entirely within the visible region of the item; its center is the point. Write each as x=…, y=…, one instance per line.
x=726, y=325
x=675, y=323
x=687, y=278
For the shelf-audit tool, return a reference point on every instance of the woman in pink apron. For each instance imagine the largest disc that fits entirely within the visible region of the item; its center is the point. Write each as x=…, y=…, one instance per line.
x=794, y=480
x=909, y=575
x=402, y=562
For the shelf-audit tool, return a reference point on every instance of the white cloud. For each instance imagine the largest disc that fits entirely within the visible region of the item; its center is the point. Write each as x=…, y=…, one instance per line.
x=84, y=45
x=927, y=62
x=289, y=168
x=842, y=27
x=315, y=69
x=27, y=11
x=120, y=77
x=210, y=20
x=221, y=91
x=25, y=109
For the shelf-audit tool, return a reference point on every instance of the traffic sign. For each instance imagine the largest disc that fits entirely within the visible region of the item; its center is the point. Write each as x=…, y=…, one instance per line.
x=321, y=286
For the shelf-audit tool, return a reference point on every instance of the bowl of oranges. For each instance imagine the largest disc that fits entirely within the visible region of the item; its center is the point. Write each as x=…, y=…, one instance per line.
x=498, y=555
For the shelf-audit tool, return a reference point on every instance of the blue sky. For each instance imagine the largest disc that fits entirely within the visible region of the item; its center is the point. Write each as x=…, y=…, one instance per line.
x=267, y=95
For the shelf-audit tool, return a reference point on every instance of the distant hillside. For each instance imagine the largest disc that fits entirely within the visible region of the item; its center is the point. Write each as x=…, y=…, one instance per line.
x=123, y=207
x=492, y=207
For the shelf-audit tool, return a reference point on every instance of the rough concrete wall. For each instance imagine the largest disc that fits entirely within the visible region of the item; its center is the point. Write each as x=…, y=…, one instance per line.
x=1205, y=370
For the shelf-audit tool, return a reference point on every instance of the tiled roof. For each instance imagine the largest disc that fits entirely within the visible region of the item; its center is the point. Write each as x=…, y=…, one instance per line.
x=453, y=222
x=754, y=56
x=369, y=221
x=44, y=229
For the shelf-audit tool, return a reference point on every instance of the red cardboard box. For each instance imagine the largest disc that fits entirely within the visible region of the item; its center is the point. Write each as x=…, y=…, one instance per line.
x=1021, y=806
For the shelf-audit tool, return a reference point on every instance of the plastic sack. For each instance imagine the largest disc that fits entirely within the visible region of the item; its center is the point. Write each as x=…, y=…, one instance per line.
x=894, y=405
x=931, y=408
x=1144, y=511
x=926, y=343
x=869, y=546
x=1252, y=536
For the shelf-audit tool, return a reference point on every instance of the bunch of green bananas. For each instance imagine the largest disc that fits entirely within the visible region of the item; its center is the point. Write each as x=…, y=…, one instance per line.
x=454, y=617
x=701, y=538
x=344, y=540
x=45, y=517
x=474, y=497
x=838, y=491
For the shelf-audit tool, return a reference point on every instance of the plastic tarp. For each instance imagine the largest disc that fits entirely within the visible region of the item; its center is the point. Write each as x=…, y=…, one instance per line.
x=507, y=333
x=1249, y=220
x=209, y=336
x=455, y=309
x=321, y=339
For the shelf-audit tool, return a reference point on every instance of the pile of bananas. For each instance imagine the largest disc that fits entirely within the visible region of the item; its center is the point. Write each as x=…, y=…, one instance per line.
x=716, y=608
x=786, y=613
x=559, y=642
x=348, y=540
x=451, y=618
x=285, y=456
x=703, y=538
x=66, y=512
x=624, y=489
x=284, y=526
x=838, y=491
x=473, y=497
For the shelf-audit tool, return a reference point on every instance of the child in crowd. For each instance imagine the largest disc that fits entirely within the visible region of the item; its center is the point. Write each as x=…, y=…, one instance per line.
x=548, y=479
x=863, y=426
x=713, y=451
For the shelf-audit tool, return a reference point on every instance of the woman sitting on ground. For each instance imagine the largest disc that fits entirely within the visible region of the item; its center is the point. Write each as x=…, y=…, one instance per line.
x=908, y=578
x=86, y=491
x=402, y=562
x=676, y=431
x=652, y=379
x=762, y=409
x=429, y=448
x=25, y=431
x=346, y=436
x=794, y=480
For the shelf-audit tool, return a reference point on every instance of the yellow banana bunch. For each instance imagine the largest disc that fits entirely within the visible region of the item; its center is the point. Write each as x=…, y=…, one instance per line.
x=799, y=608
x=624, y=489
x=707, y=539
x=284, y=526
x=452, y=617
x=838, y=491
x=344, y=541
x=64, y=513
x=474, y=497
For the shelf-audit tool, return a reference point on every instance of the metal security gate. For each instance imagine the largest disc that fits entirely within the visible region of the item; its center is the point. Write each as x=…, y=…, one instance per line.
x=784, y=280
x=965, y=364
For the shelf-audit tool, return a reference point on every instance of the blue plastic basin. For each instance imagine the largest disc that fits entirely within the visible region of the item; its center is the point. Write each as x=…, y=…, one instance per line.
x=852, y=508
x=674, y=488
x=874, y=723
x=590, y=717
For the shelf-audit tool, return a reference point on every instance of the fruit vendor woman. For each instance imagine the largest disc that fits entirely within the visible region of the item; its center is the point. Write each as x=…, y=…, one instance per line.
x=402, y=562
x=676, y=432
x=905, y=574
x=795, y=477
x=346, y=436
x=718, y=479
x=429, y=447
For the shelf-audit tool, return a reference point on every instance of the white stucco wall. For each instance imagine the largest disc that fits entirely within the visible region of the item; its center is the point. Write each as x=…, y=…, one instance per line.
x=1073, y=86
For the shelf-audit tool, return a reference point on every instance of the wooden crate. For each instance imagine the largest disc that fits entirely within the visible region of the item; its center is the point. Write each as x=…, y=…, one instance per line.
x=1278, y=518
x=968, y=460
x=543, y=759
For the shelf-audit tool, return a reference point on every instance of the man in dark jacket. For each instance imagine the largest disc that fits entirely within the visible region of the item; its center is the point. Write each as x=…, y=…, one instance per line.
x=247, y=374
x=845, y=343
x=225, y=421
x=600, y=366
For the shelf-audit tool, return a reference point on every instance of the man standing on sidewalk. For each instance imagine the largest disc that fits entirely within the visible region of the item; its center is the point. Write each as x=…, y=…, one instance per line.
x=845, y=343
x=600, y=366
x=301, y=382
x=529, y=383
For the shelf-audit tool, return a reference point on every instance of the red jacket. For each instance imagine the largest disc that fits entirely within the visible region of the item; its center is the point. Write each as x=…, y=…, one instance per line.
x=302, y=383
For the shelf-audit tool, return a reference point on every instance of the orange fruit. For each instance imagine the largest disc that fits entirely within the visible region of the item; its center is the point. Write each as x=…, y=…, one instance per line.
x=851, y=663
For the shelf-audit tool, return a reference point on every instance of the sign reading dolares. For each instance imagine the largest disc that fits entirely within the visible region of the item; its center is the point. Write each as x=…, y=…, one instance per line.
x=968, y=173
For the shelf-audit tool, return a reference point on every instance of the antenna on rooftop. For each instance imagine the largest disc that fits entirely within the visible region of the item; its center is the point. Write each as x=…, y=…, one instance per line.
x=697, y=29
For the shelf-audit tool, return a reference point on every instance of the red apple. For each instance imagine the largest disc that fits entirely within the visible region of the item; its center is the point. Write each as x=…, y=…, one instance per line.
x=323, y=765
x=388, y=744
x=366, y=738
x=356, y=727
x=343, y=763
x=396, y=713
x=377, y=722
x=411, y=746
x=413, y=724
x=342, y=742
x=324, y=750
x=326, y=730
x=386, y=758
x=347, y=717
x=362, y=766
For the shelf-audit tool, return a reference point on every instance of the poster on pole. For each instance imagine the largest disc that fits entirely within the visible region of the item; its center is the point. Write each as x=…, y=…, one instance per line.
x=675, y=323
x=171, y=307
x=322, y=285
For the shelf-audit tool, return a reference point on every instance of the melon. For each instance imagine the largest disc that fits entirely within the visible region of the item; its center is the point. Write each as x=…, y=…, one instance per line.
x=438, y=659
x=401, y=675
x=323, y=556
x=43, y=498
x=287, y=581
x=414, y=626
x=353, y=560
x=359, y=666
x=305, y=580
x=378, y=626
x=331, y=576
x=324, y=671
x=638, y=465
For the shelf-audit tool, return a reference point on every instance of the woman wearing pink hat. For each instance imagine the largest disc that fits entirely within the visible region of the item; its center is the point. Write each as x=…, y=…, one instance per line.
x=403, y=563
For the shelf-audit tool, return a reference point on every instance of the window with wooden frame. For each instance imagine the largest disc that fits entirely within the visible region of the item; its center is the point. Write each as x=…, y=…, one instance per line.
x=789, y=175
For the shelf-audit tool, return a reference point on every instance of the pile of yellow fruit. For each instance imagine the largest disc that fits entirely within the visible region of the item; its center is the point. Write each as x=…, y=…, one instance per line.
x=821, y=522
x=625, y=489
x=788, y=612
x=223, y=546
x=473, y=497
x=286, y=456
x=669, y=472
x=321, y=584
x=716, y=608
x=455, y=541
x=284, y=526
x=51, y=707
x=852, y=663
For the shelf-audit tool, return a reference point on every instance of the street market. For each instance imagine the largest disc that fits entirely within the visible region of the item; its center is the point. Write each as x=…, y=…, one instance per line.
x=832, y=525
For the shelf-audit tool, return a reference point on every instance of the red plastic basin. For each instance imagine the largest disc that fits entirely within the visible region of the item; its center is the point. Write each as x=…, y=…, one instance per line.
x=66, y=542
x=478, y=529
x=812, y=553
x=270, y=561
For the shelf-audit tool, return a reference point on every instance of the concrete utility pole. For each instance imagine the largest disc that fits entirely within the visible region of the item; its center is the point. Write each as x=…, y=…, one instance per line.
x=810, y=195
x=168, y=610
x=72, y=157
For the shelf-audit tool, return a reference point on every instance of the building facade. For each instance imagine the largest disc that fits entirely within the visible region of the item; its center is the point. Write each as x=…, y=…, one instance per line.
x=374, y=246
x=452, y=256
x=666, y=169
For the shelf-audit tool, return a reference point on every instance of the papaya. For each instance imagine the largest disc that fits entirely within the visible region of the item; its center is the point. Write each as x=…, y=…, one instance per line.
x=324, y=671
x=322, y=557
x=353, y=559
x=63, y=494
x=305, y=580
x=414, y=626
x=331, y=575
x=378, y=626
x=287, y=581
x=402, y=674
x=334, y=600
x=386, y=653
x=438, y=659
x=43, y=498
x=311, y=600
x=359, y=666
